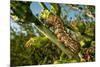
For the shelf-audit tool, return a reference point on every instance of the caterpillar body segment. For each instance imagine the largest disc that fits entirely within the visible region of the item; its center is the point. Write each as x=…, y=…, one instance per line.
x=61, y=34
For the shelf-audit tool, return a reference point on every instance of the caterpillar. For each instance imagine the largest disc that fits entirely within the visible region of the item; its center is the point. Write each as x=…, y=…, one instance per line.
x=61, y=34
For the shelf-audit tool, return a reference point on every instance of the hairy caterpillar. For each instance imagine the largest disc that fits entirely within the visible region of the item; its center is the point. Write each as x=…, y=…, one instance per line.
x=61, y=34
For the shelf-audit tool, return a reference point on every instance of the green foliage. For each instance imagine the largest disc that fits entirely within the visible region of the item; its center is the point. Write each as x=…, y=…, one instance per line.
x=19, y=54
x=37, y=42
x=21, y=11
x=81, y=27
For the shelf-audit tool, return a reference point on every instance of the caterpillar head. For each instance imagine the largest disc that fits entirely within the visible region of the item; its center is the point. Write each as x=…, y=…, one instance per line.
x=47, y=17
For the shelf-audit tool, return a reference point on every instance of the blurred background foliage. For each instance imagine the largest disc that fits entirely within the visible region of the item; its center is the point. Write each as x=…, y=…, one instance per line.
x=79, y=21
